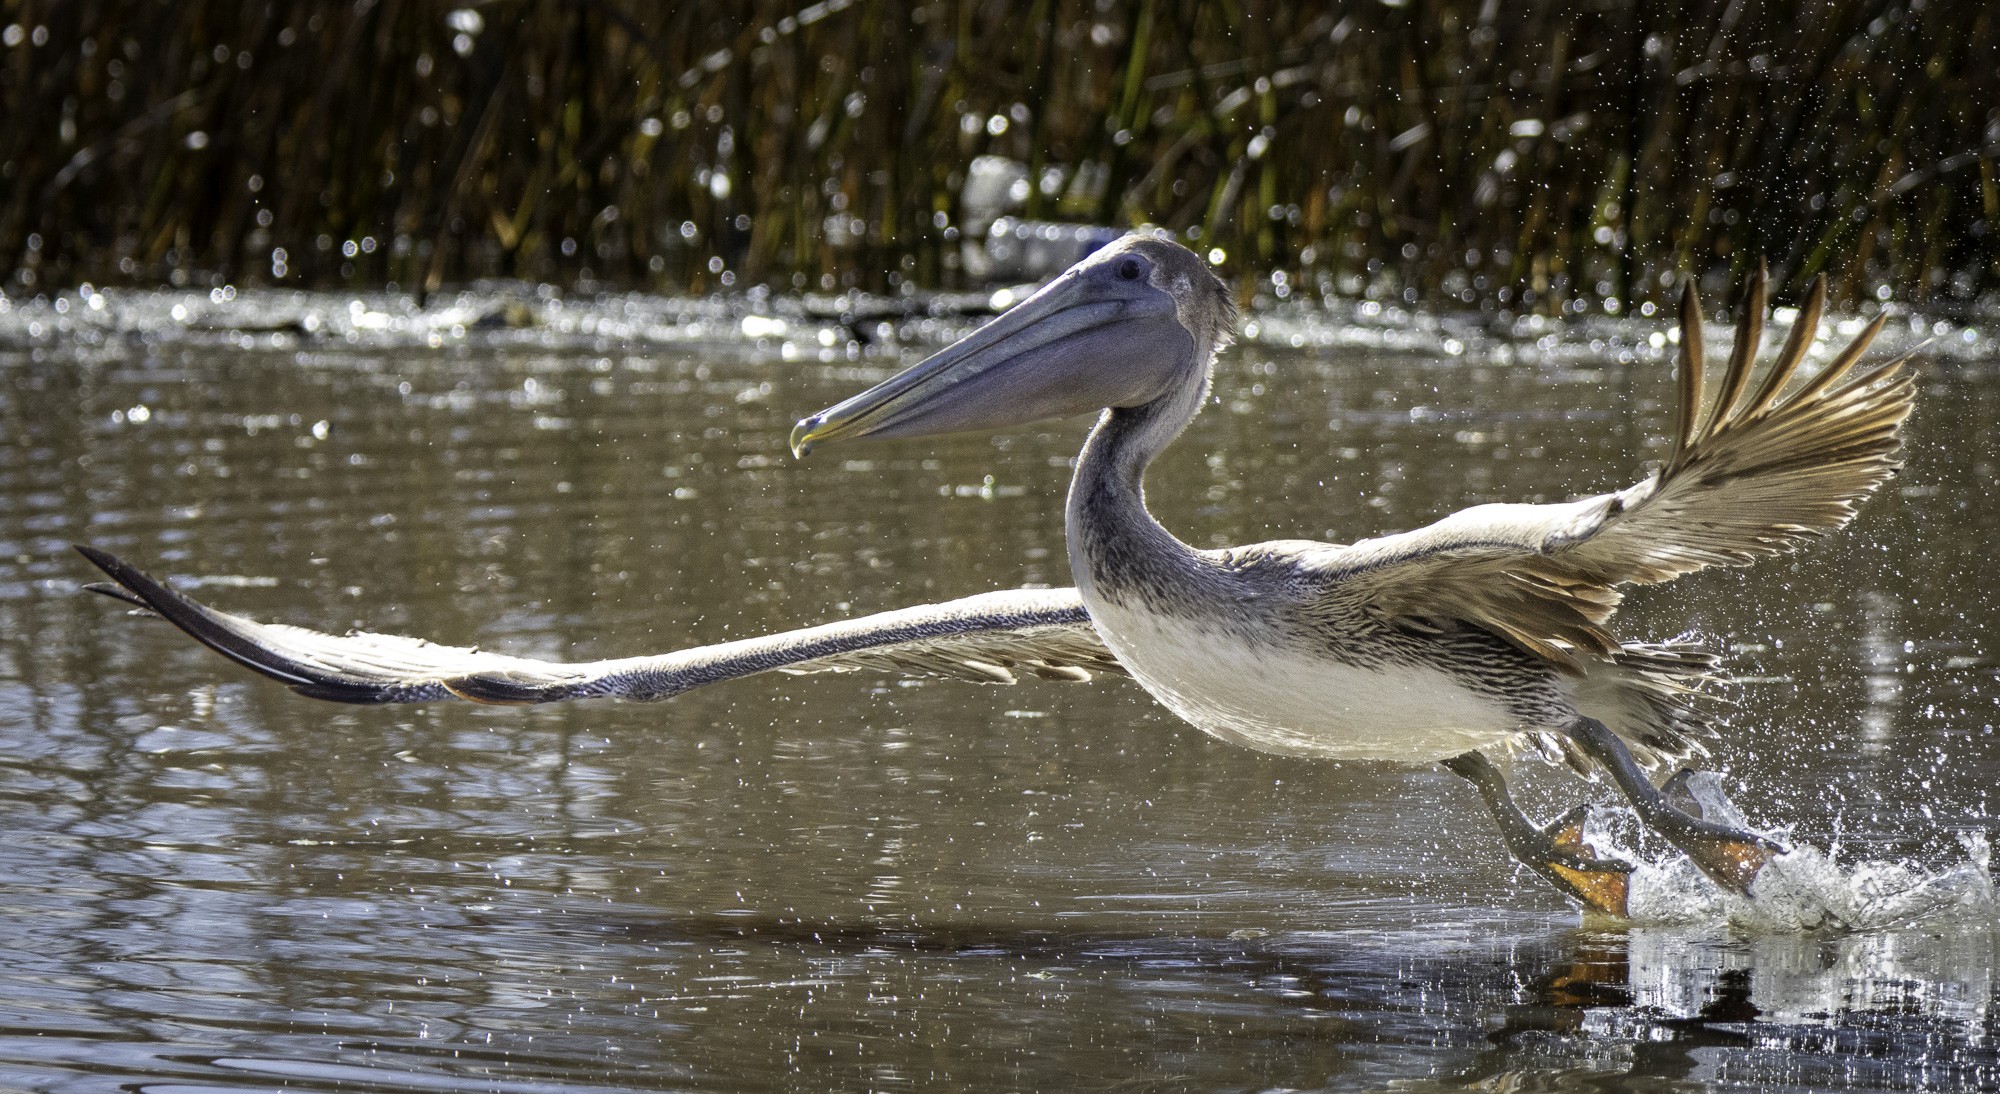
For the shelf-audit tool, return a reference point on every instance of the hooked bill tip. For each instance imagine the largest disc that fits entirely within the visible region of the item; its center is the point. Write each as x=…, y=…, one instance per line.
x=802, y=439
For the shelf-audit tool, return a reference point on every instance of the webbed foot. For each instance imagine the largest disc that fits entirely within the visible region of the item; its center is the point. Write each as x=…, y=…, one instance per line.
x=1557, y=851
x=1718, y=840
x=1603, y=885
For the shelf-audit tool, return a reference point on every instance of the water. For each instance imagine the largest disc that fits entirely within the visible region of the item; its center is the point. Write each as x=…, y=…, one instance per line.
x=856, y=882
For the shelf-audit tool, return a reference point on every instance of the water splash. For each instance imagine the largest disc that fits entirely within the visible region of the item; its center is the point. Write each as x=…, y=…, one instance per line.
x=1807, y=889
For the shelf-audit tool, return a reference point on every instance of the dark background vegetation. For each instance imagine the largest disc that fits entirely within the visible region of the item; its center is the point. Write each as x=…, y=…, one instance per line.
x=1531, y=153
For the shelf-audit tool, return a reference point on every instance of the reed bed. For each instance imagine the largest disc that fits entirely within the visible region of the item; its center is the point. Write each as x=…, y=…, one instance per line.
x=1525, y=155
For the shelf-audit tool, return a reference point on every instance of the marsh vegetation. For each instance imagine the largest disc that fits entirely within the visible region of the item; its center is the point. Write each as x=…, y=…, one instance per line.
x=1530, y=155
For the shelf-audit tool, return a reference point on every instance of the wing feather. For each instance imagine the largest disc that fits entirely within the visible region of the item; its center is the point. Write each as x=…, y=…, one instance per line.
x=1748, y=478
x=992, y=638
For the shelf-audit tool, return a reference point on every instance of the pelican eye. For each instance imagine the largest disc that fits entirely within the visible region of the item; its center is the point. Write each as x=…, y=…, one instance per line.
x=1130, y=269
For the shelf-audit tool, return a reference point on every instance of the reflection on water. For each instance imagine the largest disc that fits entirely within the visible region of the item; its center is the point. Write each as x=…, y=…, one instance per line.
x=857, y=882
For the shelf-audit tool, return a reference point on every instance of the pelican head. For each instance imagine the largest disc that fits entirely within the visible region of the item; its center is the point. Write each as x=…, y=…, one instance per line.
x=1137, y=320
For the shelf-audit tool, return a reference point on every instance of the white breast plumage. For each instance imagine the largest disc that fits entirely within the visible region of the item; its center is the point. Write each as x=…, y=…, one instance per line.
x=1281, y=699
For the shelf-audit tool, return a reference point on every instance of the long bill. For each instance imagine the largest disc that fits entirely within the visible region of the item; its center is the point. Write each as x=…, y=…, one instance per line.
x=1078, y=345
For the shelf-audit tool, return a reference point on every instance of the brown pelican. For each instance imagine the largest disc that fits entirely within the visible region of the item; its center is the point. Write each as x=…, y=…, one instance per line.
x=1484, y=630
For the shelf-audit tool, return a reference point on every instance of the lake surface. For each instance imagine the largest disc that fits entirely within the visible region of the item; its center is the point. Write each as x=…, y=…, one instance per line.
x=859, y=882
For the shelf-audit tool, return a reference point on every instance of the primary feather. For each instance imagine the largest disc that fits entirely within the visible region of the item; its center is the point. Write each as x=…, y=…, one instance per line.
x=1747, y=478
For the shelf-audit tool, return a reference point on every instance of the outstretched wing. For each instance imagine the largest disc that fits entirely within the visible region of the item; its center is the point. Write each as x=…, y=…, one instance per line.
x=1754, y=472
x=993, y=637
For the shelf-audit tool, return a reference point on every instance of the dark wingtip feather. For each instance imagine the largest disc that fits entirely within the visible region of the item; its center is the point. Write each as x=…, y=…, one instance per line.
x=129, y=583
x=116, y=592
x=1804, y=329
x=1843, y=364
x=104, y=560
x=231, y=636
x=1690, y=368
x=1743, y=353
x=202, y=623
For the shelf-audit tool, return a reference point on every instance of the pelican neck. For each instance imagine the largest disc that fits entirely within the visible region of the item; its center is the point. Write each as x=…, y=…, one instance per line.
x=1117, y=549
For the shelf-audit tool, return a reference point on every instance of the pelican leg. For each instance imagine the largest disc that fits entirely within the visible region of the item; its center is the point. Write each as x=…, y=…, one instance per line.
x=1730, y=855
x=1557, y=852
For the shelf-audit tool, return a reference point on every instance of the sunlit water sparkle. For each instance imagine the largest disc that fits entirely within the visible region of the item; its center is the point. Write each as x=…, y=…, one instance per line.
x=860, y=883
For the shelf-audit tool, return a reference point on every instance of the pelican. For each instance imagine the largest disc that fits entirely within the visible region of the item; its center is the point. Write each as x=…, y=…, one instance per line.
x=1486, y=630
